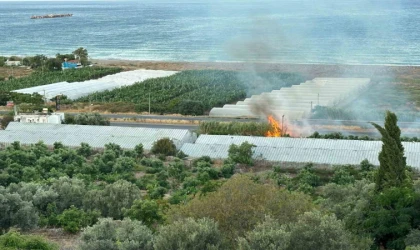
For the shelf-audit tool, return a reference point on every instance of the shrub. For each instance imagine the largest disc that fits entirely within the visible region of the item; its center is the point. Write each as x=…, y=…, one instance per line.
x=14, y=211
x=269, y=235
x=74, y=219
x=112, y=199
x=6, y=120
x=181, y=155
x=413, y=238
x=342, y=176
x=87, y=119
x=227, y=170
x=316, y=231
x=85, y=150
x=189, y=107
x=240, y=204
x=14, y=240
x=139, y=150
x=206, y=159
x=164, y=146
x=241, y=154
x=146, y=211
x=117, y=235
x=189, y=234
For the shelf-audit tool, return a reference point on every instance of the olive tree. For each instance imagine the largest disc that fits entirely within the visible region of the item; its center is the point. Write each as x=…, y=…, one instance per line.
x=240, y=204
x=269, y=235
x=117, y=235
x=16, y=212
x=113, y=199
x=189, y=234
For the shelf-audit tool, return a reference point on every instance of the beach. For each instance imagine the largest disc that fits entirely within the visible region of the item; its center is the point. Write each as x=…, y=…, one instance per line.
x=308, y=70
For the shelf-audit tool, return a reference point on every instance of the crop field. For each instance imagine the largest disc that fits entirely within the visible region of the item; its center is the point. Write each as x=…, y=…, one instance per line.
x=202, y=89
x=40, y=78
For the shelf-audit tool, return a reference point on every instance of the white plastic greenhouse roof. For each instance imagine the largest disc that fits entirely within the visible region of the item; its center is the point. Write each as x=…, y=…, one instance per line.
x=96, y=136
x=285, y=142
x=295, y=102
x=299, y=150
x=75, y=90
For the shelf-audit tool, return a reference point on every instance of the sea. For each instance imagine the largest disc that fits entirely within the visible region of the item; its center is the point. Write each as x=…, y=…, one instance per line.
x=384, y=32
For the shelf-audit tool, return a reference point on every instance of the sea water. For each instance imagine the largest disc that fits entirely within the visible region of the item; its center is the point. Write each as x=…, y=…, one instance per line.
x=287, y=31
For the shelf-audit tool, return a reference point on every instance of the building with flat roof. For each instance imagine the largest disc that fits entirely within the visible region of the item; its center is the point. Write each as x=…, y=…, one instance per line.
x=54, y=118
x=13, y=63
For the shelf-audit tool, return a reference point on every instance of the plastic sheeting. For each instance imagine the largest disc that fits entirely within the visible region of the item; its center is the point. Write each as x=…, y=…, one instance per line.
x=299, y=150
x=96, y=136
x=295, y=102
x=75, y=90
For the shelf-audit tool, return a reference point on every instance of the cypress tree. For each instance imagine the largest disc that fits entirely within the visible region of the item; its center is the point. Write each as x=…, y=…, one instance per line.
x=392, y=163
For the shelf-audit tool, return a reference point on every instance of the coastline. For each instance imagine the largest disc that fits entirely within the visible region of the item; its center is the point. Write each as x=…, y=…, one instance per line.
x=309, y=70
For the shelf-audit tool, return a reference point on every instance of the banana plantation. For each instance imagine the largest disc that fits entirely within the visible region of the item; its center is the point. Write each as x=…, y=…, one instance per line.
x=206, y=88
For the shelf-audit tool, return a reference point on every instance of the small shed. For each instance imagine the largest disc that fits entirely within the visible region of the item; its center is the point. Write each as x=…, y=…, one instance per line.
x=13, y=63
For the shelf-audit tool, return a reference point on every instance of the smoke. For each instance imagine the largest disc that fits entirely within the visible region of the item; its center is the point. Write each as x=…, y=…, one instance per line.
x=292, y=31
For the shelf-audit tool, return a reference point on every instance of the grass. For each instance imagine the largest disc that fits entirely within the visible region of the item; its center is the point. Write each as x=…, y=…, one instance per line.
x=16, y=72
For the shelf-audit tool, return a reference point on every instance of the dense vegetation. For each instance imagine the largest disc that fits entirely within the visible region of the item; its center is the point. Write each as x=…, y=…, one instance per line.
x=340, y=136
x=86, y=119
x=135, y=200
x=261, y=128
x=193, y=92
x=40, y=78
x=234, y=128
x=18, y=98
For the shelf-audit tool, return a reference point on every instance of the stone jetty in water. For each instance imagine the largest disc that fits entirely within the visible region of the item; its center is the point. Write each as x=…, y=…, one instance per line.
x=51, y=16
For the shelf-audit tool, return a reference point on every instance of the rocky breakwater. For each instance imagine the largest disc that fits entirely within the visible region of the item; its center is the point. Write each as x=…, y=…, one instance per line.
x=51, y=16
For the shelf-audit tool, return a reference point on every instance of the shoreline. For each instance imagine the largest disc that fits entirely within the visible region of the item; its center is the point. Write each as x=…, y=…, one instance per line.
x=309, y=70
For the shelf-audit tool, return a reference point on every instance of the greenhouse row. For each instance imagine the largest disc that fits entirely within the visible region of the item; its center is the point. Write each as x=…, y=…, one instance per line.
x=95, y=136
x=74, y=90
x=295, y=102
x=299, y=150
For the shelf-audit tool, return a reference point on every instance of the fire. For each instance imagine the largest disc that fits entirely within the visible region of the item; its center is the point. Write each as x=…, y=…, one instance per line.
x=275, y=128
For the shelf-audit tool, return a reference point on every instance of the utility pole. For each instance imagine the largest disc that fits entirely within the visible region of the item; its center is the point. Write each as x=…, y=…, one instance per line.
x=149, y=102
x=282, y=122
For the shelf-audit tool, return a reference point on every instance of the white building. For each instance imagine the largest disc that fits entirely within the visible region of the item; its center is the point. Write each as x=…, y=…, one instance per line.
x=54, y=118
x=13, y=63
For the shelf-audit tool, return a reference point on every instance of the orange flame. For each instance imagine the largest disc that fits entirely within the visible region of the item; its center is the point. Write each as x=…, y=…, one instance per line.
x=275, y=129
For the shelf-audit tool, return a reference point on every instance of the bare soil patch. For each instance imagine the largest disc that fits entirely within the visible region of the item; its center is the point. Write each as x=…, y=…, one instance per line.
x=6, y=72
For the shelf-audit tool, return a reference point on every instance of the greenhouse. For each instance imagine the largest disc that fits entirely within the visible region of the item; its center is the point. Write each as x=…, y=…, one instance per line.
x=95, y=136
x=74, y=90
x=295, y=102
x=299, y=150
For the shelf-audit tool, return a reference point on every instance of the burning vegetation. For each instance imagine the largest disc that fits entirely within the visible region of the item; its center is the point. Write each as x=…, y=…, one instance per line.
x=279, y=128
x=276, y=129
